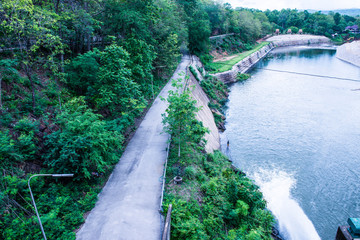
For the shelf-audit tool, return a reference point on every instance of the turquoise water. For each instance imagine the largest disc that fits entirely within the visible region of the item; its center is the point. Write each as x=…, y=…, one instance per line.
x=298, y=137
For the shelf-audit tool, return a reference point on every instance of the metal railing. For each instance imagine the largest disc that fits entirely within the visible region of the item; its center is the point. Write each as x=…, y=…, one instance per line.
x=166, y=231
x=167, y=228
x=164, y=177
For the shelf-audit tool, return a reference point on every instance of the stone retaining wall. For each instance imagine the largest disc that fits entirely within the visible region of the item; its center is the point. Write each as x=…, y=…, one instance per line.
x=244, y=65
x=276, y=41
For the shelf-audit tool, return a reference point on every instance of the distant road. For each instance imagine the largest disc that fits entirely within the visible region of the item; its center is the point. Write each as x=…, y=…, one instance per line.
x=128, y=205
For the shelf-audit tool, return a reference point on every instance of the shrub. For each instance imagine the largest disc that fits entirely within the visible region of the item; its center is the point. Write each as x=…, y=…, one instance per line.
x=83, y=144
x=190, y=172
x=8, y=154
x=82, y=72
x=194, y=73
x=242, y=76
x=25, y=125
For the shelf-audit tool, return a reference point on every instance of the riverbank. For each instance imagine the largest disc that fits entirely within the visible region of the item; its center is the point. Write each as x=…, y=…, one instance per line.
x=225, y=63
x=275, y=41
x=349, y=52
x=243, y=65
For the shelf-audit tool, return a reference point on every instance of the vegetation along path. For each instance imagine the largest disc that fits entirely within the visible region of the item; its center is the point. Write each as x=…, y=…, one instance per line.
x=128, y=204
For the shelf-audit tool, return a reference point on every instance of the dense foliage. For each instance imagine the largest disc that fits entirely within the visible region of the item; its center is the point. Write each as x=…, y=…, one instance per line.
x=76, y=74
x=214, y=201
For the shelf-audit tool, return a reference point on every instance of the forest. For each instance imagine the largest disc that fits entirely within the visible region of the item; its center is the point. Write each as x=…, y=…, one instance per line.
x=76, y=77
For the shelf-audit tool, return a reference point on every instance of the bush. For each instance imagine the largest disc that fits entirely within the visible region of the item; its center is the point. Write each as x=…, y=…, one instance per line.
x=5, y=119
x=194, y=73
x=294, y=29
x=82, y=73
x=190, y=172
x=83, y=145
x=242, y=76
x=25, y=125
x=8, y=154
x=25, y=146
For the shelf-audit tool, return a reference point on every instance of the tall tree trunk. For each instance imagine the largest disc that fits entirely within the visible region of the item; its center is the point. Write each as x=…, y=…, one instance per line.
x=56, y=5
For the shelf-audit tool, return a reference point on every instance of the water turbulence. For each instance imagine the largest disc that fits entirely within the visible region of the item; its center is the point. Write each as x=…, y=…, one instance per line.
x=293, y=222
x=298, y=137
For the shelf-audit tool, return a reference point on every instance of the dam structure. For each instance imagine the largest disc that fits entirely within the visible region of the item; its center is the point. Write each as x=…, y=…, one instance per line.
x=275, y=41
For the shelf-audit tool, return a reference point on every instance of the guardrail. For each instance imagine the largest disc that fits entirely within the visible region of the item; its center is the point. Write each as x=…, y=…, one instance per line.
x=167, y=228
x=164, y=177
x=166, y=231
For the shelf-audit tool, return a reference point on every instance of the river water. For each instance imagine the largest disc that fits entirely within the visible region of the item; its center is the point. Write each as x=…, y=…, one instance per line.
x=298, y=137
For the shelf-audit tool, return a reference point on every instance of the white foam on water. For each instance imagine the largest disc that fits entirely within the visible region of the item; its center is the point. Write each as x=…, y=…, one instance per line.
x=293, y=222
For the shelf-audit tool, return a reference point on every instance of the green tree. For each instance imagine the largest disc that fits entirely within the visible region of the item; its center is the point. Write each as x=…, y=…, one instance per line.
x=179, y=120
x=140, y=62
x=337, y=18
x=81, y=73
x=131, y=17
x=249, y=27
x=28, y=29
x=168, y=54
x=117, y=93
x=83, y=144
x=199, y=33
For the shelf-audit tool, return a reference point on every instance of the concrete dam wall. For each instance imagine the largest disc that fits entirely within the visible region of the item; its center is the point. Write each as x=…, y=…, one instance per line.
x=349, y=52
x=275, y=41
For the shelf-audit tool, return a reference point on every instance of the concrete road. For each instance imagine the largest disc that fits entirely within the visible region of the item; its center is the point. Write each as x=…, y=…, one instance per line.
x=128, y=205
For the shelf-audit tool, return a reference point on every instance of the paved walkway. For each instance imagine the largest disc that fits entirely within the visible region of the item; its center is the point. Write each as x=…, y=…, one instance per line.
x=128, y=204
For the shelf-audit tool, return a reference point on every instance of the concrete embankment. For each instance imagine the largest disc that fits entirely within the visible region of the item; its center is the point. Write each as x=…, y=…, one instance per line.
x=244, y=65
x=297, y=39
x=204, y=115
x=275, y=41
x=349, y=52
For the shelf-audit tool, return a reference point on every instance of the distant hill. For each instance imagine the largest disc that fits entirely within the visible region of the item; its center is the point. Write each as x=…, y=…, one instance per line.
x=351, y=12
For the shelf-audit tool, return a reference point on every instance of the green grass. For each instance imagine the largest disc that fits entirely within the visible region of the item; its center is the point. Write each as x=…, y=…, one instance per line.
x=223, y=66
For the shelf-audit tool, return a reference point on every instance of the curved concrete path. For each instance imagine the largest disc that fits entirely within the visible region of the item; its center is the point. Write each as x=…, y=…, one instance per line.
x=128, y=205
